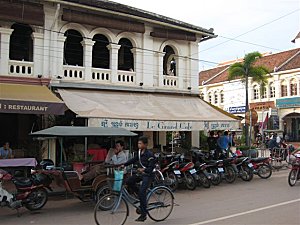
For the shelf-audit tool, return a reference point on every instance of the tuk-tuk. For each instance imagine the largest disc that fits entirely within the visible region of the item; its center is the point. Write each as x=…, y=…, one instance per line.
x=70, y=179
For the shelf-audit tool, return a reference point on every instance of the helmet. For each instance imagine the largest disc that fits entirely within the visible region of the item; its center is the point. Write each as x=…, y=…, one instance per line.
x=46, y=162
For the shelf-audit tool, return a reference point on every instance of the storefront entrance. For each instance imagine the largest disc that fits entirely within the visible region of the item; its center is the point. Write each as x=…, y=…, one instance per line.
x=292, y=126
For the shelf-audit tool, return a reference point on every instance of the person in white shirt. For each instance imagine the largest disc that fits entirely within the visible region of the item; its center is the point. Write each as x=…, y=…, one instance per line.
x=116, y=157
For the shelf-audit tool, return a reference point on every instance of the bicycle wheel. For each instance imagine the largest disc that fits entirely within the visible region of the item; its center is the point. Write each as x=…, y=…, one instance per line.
x=160, y=203
x=111, y=209
x=293, y=177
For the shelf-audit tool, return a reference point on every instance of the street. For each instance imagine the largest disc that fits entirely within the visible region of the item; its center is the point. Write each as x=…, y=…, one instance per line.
x=260, y=201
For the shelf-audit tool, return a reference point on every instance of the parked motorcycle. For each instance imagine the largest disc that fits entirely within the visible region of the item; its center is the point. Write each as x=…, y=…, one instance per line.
x=262, y=167
x=186, y=174
x=244, y=168
x=30, y=192
x=294, y=174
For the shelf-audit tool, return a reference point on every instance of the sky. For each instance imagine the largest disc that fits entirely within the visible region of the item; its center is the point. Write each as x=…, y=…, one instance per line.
x=231, y=18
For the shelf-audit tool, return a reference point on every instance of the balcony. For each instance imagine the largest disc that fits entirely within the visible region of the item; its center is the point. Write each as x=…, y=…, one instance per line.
x=20, y=68
x=170, y=81
x=126, y=77
x=73, y=73
x=101, y=75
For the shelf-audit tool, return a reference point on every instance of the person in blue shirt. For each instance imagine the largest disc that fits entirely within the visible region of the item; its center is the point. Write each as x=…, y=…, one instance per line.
x=223, y=142
x=146, y=163
x=5, y=151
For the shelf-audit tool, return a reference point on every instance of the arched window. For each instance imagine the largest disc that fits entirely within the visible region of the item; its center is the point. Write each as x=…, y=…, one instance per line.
x=284, y=92
x=216, y=97
x=294, y=87
x=125, y=56
x=264, y=92
x=272, y=90
x=21, y=43
x=100, y=52
x=222, y=97
x=209, y=97
x=255, y=92
x=202, y=95
x=73, y=50
x=169, y=64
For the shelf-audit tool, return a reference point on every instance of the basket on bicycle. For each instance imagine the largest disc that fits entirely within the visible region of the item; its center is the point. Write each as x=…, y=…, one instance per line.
x=115, y=184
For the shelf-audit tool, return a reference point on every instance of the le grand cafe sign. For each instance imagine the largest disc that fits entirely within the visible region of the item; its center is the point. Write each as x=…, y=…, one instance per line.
x=150, y=125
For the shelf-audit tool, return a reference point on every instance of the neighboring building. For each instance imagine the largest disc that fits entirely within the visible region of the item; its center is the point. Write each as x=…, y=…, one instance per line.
x=280, y=100
x=113, y=65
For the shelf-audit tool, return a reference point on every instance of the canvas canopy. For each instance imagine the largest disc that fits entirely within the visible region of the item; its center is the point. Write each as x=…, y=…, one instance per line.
x=145, y=111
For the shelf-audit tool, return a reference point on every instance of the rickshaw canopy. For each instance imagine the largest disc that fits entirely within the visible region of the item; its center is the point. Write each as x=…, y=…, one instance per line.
x=65, y=131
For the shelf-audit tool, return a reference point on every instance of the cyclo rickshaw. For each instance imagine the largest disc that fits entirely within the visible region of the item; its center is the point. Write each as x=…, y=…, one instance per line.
x=69, y=178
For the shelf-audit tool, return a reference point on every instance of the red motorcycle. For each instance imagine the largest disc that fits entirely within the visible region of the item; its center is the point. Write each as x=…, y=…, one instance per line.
x=261, y=167
x=294, y=174
x=185, y=174
x=30, y=192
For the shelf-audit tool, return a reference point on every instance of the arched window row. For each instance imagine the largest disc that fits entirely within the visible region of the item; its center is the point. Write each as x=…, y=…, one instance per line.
x=216, y=97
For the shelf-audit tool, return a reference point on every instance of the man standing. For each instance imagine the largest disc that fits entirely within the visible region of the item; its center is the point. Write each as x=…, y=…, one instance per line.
x=223, y=142
x=6, y=152
x=212, y=143
x=146, y=162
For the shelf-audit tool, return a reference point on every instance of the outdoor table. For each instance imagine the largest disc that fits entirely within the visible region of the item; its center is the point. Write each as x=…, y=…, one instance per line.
x=20, y=162
x=23, y=164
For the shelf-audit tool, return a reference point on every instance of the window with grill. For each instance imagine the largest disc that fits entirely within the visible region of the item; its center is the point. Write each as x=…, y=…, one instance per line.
x=272, y=90
x=294, y=87
x=255, y=92
x=283, y=90
x=222, y=97
x=216, y=97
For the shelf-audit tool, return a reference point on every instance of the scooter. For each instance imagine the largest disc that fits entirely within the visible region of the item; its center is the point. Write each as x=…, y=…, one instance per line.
x=30, y=192
x=262, y=167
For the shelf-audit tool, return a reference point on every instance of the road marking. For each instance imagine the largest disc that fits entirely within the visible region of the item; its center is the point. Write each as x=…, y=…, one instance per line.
x=246, y=212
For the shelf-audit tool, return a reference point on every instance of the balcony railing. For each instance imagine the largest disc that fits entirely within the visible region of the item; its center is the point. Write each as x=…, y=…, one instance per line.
x=73, y=72
x=101, y=75
x=170, y=81
x=20, y=68
x=126, y=77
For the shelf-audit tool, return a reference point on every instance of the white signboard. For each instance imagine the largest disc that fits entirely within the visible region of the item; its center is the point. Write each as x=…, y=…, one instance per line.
x=150, y=125
x=234, y=95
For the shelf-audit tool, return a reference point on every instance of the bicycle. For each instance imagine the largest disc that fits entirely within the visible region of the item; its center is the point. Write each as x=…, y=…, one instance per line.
x=113, y=208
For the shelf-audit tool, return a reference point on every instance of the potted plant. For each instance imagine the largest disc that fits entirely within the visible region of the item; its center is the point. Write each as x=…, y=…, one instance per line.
x=79, y=162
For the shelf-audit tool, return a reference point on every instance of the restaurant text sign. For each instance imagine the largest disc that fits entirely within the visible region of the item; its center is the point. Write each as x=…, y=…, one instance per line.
x=27, y=107
x=288, y=102
x=150, y=125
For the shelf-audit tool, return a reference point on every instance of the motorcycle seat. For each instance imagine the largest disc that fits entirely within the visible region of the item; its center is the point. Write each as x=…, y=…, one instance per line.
x=239, y=160
x=227, y=161
x=22, y=182
x=260, y=159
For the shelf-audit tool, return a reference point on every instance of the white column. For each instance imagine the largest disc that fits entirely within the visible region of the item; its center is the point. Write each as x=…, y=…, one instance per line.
x=87, y=58
x=162, y=138
x=38, y=53
x=59, y=58
x=288, y=84
x=138, y=66
x=180, y=73
x=114, y=48
x=194, y=67
x=277, y=85
x=4, y=50
x=160, y=67
x=195, y=139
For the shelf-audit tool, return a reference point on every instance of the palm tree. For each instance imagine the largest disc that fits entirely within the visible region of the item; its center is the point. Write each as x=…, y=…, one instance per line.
x=246, y=69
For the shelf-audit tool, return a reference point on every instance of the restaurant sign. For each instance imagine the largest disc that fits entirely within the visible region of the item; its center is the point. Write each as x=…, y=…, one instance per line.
x=288, y=102
x=237, y=109
x=259, y=106
x=150, y=125
x=29, y=107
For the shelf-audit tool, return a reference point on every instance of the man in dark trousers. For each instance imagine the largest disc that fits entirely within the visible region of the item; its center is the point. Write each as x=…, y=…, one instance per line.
x=146, y=162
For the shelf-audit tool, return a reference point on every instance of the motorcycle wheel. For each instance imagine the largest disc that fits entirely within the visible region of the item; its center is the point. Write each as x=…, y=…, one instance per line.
x=217, y=176
x=293, y=177
x=230, y=174
x=37, y=199
x=247, y=174
x=172, y=182
x=264, y=171
x=203, y=180
x=190, y=181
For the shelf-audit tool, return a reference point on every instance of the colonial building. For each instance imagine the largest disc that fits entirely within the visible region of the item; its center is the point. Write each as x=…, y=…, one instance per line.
x=113, y=65
x=279, y=101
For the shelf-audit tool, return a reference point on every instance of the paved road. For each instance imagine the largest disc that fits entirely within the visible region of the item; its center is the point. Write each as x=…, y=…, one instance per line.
x=260, y=202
